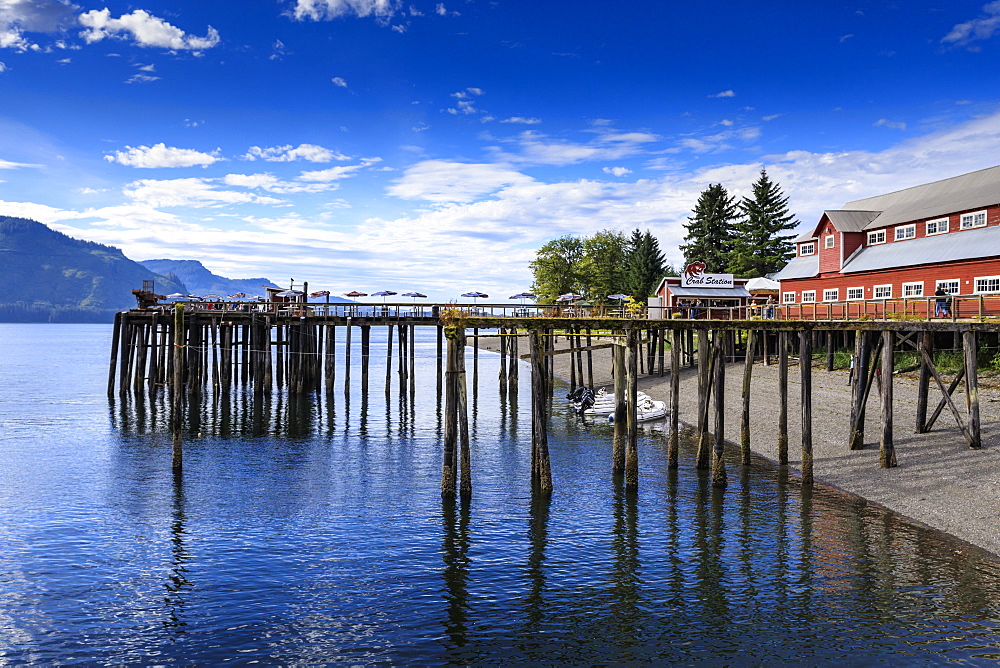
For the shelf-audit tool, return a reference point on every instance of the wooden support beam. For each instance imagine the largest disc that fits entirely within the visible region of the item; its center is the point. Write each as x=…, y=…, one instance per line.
x=621, y=411
x=745, y=419
x=923, y=382
x=176, y=392
x=632, y=408
x=886, y=449
x=115, y=337
x=719, y=445
x=465, y=456
x=675, y=394
x=705, y=359
x=449, y=460
x=805, y=376
x=972, y=386
x=946, y=392
x=783, y=398
x=540, y=466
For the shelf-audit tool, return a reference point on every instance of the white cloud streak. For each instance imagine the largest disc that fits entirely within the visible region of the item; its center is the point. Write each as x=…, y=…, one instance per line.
x=161, y=155
x=307, y=152
x=974, y=30
x=144, y=29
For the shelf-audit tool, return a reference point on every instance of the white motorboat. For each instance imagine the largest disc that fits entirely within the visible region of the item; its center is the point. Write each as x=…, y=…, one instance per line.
x=647, y=410
x=606, y=405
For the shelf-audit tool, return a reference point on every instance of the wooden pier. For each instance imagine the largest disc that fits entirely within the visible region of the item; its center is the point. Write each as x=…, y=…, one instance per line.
x=195, y=354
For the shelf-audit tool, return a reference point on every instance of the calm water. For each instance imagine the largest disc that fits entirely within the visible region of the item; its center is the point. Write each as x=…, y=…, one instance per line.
x=312, y=531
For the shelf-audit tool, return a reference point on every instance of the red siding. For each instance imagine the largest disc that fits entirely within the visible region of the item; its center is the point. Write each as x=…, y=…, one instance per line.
x=829, y=258
x=966, y=272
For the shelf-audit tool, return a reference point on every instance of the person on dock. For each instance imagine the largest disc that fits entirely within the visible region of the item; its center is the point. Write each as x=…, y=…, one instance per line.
x=941, y=303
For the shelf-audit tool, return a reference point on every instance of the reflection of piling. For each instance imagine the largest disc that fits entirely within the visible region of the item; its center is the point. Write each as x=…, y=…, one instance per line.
x=176, y=394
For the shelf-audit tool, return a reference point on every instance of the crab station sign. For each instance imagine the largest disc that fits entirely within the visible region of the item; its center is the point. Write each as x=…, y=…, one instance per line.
x=694, y=276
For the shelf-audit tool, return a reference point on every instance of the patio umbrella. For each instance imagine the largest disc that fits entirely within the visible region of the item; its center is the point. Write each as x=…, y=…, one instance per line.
x=355, y=293
x=289, y=293
x=177, y=295
x=383, y=294
x=522, y=296
x=618, y=297
x=238, y=295
x=475, y=296
x=209, y=297
x=415, y=295
x=569, y=297
x=319, y=293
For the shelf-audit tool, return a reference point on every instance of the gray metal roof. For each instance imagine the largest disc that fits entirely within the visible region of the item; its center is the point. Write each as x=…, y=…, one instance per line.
x=980, y=243
x=959, y=193
x=851, y=221
x=804, y=266
x=709, y=293
x=805, y=236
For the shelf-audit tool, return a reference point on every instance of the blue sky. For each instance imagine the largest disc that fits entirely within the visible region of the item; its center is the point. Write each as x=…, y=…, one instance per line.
x=372, y=144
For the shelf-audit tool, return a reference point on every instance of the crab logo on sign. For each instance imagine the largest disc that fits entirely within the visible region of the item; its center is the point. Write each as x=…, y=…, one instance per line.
x=694, y=276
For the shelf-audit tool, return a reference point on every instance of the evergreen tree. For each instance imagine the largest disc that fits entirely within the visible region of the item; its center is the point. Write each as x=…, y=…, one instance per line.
x=709, y=229
x=644, y=265
x=759, y=247
x=602, y=269
x=556, y=268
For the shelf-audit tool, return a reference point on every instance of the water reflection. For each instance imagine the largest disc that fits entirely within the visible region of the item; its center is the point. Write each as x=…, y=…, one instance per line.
x=177, y=585
x=454, y=551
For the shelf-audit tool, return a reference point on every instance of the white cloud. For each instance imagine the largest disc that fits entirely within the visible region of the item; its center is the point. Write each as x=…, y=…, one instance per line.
x=974, y=30
x=325, y=10
x=617, y=171
x=535, y=148
x=145, y=29
x=337, y=173
x=893, y=125
x=338, y=81
x=141, y=78
x=444, y=181
x=440, y=10
x=272, y=184
x=160, y=155
x=522, y=120
x=188, y=192
x=725, y=93
x=307, y=152
x=20, y=16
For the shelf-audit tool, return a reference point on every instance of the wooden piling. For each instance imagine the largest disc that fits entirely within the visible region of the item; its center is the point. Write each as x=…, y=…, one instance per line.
x=703, y=458
x=115, y=337
x=924, y=380
x=176, y=392
x=783, y=398
x=632, y=408
x=540, y=465
x=719, y=445
x=886, y=450
x=449, y=463
x=465, y=486
x=745, y=418
x=675, y=396
x=805, y=376
x=621, y=411
x=972, y=387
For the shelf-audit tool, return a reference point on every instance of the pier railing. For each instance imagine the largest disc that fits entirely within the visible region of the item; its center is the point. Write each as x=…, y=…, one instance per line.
x=903, y=308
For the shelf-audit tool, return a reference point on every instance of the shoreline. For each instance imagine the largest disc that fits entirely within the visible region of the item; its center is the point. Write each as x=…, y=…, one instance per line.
x=939, y=482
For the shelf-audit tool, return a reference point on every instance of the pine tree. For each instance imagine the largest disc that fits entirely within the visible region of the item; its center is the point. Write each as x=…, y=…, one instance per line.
x=644, y=265
x=759, y=247
x=709, y=229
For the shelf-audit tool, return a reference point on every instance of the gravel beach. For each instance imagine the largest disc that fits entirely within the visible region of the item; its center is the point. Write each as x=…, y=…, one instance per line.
x=939, y=482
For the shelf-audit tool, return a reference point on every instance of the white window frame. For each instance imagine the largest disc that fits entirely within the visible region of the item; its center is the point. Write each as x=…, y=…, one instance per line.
x=876, y=288
x=810, y=245
x=904, y=232
x=829, y=241
x=947, y=283
x=808, y=296
x=787, y=297
x=876, y=237
x=980, y=291
x=856, y=296
x=940, y=226
x=835, y=292
x=972, y=219
x=909, y=291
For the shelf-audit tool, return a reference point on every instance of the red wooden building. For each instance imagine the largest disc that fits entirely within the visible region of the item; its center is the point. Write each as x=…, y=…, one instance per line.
x=903, y=245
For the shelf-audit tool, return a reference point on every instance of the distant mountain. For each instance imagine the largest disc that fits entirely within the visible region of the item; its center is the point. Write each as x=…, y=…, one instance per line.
x=200, y=281
x=46, y=276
